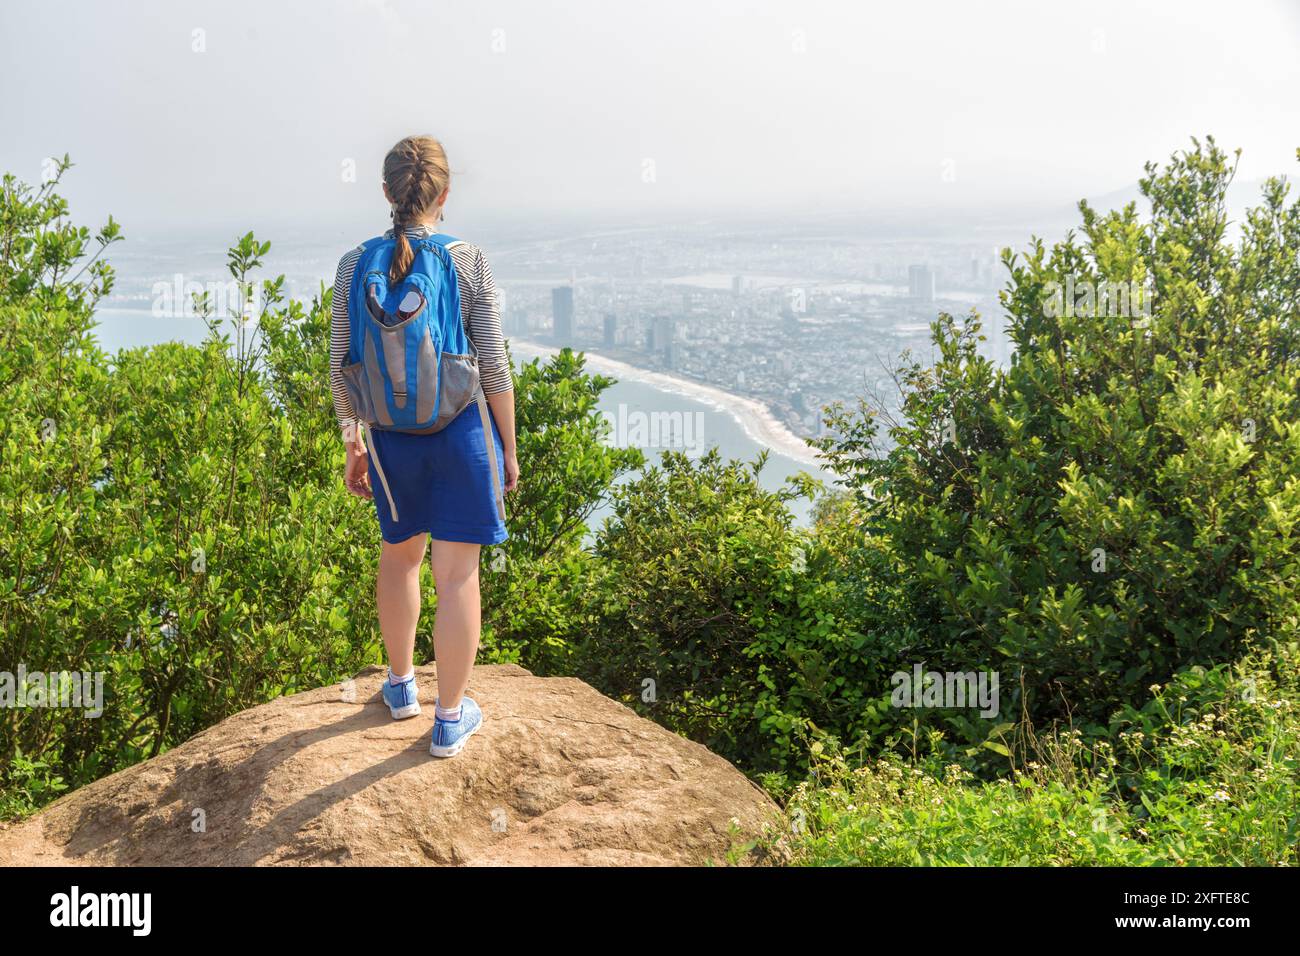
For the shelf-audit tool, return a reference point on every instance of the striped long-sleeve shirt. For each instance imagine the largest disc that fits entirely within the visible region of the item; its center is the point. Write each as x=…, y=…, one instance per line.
x=479, y=307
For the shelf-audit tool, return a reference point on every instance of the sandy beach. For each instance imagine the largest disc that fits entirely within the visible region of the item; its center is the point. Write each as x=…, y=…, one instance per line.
x=755, y=418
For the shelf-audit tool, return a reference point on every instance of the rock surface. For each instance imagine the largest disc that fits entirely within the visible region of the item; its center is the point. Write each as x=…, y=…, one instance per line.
x=559, y=775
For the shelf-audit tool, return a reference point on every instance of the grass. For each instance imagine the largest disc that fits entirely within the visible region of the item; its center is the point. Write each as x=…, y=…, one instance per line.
x=1206, y=774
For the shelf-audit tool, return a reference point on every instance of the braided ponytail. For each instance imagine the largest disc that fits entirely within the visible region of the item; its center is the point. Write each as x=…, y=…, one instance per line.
x=416, y=174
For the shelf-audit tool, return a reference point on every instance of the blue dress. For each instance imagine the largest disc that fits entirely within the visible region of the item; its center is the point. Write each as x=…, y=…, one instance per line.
x=441, y=484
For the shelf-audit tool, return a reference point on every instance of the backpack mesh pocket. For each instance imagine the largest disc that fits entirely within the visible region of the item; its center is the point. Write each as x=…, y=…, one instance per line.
x=354, y=381
x=457, y=384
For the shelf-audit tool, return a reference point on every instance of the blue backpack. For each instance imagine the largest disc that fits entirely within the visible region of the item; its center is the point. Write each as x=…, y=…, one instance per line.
x=411, y=367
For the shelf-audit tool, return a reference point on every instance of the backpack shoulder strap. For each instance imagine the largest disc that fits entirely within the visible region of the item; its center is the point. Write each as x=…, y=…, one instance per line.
x=445, y=240
x=364, y=251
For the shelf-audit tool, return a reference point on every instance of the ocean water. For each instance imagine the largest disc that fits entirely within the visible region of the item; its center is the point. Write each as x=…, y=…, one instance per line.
x=657, y=421
x=639, y=414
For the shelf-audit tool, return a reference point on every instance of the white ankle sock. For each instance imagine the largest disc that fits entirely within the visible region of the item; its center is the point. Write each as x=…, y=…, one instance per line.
x=394, y=679
x=443, y=713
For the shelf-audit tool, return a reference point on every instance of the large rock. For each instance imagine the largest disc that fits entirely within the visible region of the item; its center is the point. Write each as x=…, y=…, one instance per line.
x=559, y=774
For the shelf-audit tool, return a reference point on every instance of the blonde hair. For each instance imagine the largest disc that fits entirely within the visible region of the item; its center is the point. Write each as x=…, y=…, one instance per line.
x=416, y=174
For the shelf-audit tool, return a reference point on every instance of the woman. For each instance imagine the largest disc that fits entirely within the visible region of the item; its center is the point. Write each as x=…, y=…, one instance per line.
x=440, y=483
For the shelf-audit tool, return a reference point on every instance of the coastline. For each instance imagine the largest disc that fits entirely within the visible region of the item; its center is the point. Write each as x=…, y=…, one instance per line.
x=754, y=418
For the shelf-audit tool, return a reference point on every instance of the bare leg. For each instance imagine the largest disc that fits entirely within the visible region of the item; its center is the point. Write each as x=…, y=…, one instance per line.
x=397, y=597
x=457, y=623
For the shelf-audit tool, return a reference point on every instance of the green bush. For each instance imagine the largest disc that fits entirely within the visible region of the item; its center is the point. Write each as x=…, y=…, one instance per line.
x=708, y=611
x=1211, y=764
x=30, y=785
x=1206, y=774
x=167, y=524
x=1123, y=501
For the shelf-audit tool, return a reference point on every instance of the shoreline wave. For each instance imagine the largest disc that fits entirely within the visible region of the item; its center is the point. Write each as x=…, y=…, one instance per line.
x=754, y=417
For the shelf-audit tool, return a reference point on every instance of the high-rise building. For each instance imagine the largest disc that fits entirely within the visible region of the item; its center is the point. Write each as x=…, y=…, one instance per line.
x=562, y=314
x=520, y=320
x=611, y=330
x=792, y=304
x=737, y=285
x=661, y=334
x=920, y=283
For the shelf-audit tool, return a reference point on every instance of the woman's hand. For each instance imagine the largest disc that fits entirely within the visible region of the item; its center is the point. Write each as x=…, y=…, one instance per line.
x=512, y=472
x=356, y=473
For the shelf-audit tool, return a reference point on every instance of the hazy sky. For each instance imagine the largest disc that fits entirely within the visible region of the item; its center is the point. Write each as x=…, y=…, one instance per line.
x=633, y=110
